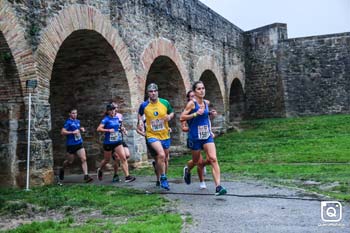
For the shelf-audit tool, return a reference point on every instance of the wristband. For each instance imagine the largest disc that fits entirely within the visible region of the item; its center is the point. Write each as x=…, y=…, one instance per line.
x=194, y=115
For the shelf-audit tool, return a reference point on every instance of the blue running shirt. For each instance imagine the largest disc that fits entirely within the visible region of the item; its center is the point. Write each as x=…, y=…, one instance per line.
x=72, y=125
x=199, y=126
x=111, y=123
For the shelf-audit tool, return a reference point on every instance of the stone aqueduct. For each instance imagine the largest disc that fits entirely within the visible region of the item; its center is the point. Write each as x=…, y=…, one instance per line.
x=86, y=53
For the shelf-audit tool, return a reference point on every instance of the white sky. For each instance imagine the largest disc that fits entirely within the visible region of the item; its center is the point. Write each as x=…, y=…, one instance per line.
x=303, y=17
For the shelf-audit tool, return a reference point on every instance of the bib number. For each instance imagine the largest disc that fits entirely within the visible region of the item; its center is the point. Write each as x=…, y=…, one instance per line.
x=203, y=132
x=114, y=137
x=77, y=137
x=157, y=125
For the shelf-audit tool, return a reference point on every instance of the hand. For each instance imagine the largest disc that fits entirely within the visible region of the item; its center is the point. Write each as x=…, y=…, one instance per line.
x=140, y=126
x=77, y=131
x=166, y=118
x=82, y=129
x=184, y=128
x=200, y=111
x=124, y=131
x=111, y=130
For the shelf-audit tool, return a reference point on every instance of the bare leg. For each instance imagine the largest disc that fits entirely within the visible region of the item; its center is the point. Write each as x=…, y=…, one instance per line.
x=124, y=163
x=107, y=156
x=69, y=160
x=210, y=149
x=82, y=155
x=166, y=151
x=116, y=163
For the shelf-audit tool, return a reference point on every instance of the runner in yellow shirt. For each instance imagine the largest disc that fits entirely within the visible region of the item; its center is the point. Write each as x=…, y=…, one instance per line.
x=158, y=113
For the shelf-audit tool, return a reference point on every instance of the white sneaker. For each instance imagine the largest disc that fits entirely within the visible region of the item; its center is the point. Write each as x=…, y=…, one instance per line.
x=202, y=185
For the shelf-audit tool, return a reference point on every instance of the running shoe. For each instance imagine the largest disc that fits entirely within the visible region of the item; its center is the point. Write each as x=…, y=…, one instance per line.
x=88, y=179
x=61, y=173
x=157, y=183
x=164, y=183
x=187, y=175
x=202, y=185
x=220, y=191
x=129, y=179
x=99, y=174
x=115, y=178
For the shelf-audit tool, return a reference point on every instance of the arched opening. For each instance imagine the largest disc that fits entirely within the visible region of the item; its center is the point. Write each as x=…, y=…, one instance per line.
x=236, y=101
x=166, y=75
x=11, y=117
x=213, y=94
x=87, y=74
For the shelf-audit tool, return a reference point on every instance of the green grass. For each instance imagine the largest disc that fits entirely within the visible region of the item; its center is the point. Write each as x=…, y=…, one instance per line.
x=167, y=223
x=134, y=206
x=289, y=151
x=110, y=200
x=286, y=151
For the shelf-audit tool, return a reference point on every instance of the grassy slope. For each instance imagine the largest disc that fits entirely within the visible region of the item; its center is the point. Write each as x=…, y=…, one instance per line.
x=289, y=150
x=280, y=150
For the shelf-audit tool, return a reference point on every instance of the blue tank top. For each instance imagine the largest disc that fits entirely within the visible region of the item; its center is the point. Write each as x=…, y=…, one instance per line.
x=111, y=123
x=72, y=125
x=199, y=126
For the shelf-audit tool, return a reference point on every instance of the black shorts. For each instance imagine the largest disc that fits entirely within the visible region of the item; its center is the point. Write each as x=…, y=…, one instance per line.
x=74, y=148
x=110, y=147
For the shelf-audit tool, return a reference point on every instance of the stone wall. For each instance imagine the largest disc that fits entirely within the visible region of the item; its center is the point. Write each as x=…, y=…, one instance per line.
x=87, y=53
x=316, y=74
x=264, y=88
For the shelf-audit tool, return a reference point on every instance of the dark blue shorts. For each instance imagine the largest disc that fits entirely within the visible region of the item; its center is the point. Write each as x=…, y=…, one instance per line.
x=72, y=149
x=197, y=144
x=111, y=147
x=165, y=143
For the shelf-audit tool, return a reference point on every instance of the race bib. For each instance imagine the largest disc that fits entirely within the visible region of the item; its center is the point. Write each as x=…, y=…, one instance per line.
x=114, y=137
x=203, y=132
x=157, y=125
x=77, y=137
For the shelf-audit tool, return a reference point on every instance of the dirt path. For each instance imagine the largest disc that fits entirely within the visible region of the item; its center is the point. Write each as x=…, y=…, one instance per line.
x=250, y=206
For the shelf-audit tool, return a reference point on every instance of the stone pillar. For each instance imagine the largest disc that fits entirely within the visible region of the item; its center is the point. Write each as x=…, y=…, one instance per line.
x=41, y=158
x=11, y=126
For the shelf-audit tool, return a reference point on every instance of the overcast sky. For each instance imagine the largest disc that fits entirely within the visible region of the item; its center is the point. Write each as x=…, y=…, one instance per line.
x=303, y=17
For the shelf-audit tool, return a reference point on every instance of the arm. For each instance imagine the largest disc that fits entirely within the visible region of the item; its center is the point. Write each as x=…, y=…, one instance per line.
x=65, y=132
x=212, y=113
x=101, y=128
x=185, y=114
x=169, y=117
x=184, y=126
x=142, y=133
x=140, y=125
x=122, y=129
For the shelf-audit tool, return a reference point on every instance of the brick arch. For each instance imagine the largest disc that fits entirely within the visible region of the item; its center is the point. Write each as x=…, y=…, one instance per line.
x=81, y=17
x=15, y=38
x=208, y=63
x=235, y=73
x=236, y=97
x=162, y=47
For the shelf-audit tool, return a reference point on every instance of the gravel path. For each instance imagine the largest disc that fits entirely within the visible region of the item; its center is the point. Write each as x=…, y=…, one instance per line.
x=250, y=206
